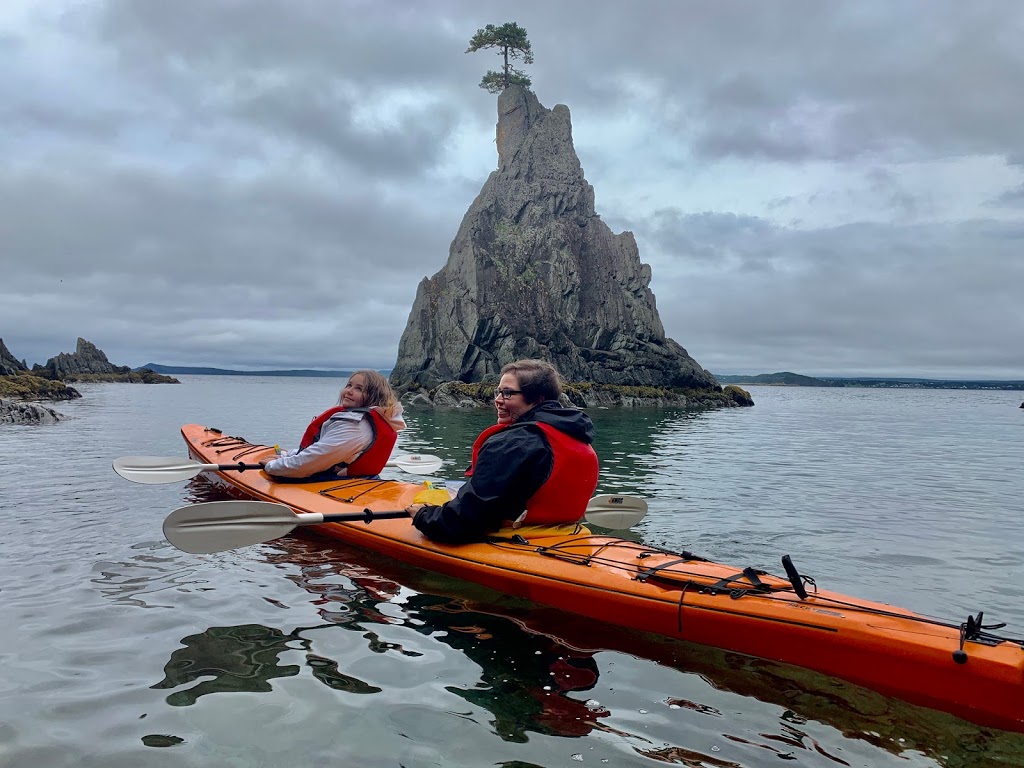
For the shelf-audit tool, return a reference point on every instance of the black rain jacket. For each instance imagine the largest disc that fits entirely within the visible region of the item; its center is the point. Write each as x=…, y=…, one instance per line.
x=511, y=466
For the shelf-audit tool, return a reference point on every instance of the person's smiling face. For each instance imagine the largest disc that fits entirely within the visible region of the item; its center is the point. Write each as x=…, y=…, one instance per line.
x=512, y=407
x=354, y=393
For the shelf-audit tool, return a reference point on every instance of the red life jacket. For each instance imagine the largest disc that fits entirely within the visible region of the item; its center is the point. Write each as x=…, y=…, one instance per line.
x=372, y=460
x=564, y=495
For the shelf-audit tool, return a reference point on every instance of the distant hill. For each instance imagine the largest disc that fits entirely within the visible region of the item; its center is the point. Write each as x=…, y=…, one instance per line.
x=785, y=378
x=186, y=370
x=796, y=380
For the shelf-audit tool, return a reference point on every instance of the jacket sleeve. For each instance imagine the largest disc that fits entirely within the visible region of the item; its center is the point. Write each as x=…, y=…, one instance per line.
x=341, y=441
x=510, y=467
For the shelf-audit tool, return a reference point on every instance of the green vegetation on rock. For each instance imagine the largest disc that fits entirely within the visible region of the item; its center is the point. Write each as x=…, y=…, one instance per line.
x=25, y=386
x=141, y=376
x=511, y=41
x=586, y=394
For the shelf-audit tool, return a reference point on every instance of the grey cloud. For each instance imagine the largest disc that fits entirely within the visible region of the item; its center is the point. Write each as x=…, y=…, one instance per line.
x=129, y=250
x=867, y=298
x=324, y=118
x=1011, y=198
x=196, y=184
x=49, y=119
x=379, y=43
x=805, y=80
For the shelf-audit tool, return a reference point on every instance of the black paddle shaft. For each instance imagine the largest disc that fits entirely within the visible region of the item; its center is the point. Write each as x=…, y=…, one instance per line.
x=366, y=516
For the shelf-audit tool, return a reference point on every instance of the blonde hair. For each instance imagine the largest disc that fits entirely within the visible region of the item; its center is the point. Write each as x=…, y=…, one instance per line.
x=378, y=389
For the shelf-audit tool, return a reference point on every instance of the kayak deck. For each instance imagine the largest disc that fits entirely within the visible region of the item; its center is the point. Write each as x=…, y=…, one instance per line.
x=954, y=667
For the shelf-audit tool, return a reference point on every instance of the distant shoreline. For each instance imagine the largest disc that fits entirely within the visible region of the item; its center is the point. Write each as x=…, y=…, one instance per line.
x=880, y=382
x=784, y=379
x=202, y=371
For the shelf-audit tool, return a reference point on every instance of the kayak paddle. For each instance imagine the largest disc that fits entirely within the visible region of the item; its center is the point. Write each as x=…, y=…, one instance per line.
x=416, y=463
x=216, y=526
x=155, y=470
x=616, y=511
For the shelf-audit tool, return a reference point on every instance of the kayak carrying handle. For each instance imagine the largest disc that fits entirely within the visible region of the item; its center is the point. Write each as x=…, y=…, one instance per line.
x=794, y=577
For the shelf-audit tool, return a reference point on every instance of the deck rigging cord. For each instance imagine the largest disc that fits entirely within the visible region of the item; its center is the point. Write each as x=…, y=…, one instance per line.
x=970, y=630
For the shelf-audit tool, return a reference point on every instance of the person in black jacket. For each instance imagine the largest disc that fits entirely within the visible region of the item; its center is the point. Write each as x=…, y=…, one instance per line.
x=536, y=466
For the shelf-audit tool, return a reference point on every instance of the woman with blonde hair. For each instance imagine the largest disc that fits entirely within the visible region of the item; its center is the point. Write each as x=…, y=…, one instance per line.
x=352, y=439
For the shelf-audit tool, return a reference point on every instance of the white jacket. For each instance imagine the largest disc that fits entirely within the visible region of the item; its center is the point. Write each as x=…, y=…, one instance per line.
x=343, y=437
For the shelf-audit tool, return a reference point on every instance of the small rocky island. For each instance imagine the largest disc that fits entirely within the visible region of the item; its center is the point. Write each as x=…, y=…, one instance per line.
x=534, y=272
x=20, y=386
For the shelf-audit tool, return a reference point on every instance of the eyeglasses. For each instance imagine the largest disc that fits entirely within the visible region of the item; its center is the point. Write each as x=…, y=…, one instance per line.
x=506, y=393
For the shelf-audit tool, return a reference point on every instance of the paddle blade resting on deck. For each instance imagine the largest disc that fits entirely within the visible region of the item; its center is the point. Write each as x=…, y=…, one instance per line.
x=616, y=511
x=416, y=463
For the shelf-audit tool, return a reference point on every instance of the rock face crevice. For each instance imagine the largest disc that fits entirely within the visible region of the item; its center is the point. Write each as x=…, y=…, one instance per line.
x=534, y=272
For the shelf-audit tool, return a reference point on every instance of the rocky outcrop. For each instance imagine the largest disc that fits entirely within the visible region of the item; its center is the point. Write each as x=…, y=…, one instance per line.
x=87, y=358
x=457, y=394
x=89, y=364
x=738, y=395
x=15, y=412
x=9, y=364
x=29, y=387
x=47, y=382
x=534, y=272
x=18, y=383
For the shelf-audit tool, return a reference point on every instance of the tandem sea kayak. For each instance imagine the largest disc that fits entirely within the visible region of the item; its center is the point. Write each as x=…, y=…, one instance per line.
x=958, y=667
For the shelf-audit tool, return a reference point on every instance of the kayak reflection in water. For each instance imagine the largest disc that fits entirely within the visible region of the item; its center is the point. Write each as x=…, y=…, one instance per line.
x=352, y=439
x=525, y=678
x=539, y=457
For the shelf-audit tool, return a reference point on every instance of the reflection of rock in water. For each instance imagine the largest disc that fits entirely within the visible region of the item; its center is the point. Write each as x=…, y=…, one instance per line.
x=245, y=658
x=162, y=740
x=242, y=658
x=326, y=671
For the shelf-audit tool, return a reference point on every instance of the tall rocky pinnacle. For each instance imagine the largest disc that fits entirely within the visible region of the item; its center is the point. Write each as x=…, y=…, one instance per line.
x=534, y=272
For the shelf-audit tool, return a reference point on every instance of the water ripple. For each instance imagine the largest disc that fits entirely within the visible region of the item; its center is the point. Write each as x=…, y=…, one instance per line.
x=119, y=650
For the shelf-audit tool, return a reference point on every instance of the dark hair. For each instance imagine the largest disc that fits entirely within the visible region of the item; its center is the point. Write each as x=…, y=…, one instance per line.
x=537, y=379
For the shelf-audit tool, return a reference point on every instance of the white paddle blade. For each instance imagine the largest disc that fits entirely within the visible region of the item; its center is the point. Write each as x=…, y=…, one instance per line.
x=156, y=470
x=215, y=526
x=616, y=512
x=416, y=463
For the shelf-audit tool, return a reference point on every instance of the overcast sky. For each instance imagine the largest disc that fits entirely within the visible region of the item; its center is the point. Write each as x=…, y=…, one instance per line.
x=825, y=188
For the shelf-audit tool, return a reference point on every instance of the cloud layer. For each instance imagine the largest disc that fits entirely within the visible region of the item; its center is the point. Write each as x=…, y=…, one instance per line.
x=824, y=188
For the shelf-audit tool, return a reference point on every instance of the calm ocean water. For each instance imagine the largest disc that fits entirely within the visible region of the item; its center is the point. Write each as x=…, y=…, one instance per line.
x=119, y=650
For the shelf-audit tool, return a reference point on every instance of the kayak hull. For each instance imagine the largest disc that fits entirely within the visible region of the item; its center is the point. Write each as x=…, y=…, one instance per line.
x=887, y=649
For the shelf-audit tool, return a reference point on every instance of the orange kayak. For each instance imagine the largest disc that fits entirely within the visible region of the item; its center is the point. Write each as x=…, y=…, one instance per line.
x=961, y=668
